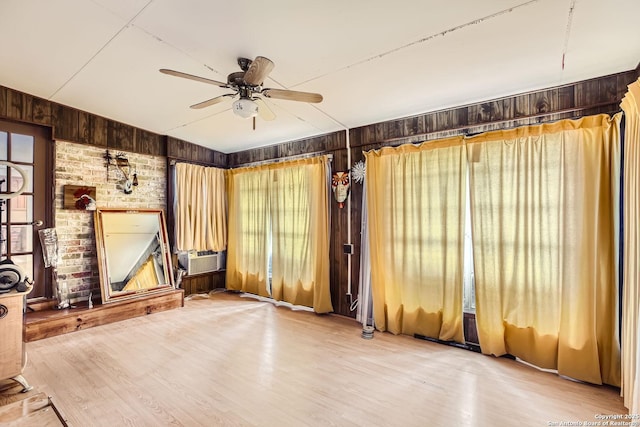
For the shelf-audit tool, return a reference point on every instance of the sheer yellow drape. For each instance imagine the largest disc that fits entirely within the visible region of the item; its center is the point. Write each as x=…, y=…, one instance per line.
x=284, y=206
x=216, y=209
x=248, y=250
x=415, y=208
x=630, y=388
x=300, y=224
x=201, y=208
x=542, y=210
x=189, y=224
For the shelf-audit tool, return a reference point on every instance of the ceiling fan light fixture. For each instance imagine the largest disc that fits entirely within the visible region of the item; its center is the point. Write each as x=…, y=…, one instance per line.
x=245, y=108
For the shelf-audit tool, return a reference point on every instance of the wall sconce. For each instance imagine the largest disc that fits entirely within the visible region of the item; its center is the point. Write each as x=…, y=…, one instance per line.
x=121, y=162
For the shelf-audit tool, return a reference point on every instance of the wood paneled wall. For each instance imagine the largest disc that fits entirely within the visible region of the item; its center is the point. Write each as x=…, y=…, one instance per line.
x=184, y=151
x=599, y=95
x=73, y=125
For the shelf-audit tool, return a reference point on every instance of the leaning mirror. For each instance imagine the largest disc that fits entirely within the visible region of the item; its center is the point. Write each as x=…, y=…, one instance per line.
x=133, y=253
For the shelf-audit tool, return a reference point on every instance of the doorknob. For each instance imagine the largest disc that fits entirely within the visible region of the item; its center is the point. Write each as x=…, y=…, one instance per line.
x=37, y=223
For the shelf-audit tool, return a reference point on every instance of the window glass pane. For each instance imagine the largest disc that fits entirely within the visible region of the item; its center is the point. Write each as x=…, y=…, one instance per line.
x=25, y=262
x=21, y=148
x=4, y=215
x=3, y=178
x=21, y=208
x=21, y=238
x=3, y=146
x=16, y=178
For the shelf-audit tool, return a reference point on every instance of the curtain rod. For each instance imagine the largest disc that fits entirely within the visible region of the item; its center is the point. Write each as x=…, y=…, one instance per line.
x=283, y=159
x=173, y=161
x=467, y=127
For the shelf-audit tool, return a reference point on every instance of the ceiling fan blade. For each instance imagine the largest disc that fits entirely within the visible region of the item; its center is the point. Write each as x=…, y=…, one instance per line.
x=258, y=71
x=211, y=101
x=292, y=95
x=192, y=77
x=264, y=111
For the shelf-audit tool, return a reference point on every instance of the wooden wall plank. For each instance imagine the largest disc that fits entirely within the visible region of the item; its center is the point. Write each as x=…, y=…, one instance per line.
x=18, y=106
x=41, y=111
x=608, y=89
x=149, y=142
x=119, y=136
x=586, y=92
x=566, y=97
x=65, y=122
x=543, y=102
x=84, y=127
x=3, y=101
x=336, y=140
x=98, y=130
x=177, y=149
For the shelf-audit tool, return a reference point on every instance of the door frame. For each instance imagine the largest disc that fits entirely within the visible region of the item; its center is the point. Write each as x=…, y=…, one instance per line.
x=46, y=134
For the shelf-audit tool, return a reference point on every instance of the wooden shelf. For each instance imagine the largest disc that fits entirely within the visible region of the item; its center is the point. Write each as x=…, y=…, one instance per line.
x=52, y=322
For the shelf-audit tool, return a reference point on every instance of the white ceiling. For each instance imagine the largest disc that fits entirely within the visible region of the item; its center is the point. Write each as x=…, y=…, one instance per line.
x=372, y=60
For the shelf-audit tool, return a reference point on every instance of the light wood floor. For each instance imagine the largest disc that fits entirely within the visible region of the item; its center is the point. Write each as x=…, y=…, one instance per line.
x=236, y=361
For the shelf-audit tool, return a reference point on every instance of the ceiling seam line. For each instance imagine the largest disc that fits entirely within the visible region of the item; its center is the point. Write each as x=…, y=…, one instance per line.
x=125, y=26
x=572, y=7
x=196, y=121
x=422, y=40
x=187, y=54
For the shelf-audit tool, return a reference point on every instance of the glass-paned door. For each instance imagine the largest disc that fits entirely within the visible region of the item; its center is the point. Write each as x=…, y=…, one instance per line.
x=25, y=147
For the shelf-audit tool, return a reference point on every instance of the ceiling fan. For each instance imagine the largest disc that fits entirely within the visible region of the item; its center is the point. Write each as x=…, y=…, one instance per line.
x=247, y=86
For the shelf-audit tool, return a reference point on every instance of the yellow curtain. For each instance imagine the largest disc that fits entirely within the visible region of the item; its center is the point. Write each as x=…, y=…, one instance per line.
x=542, y=210
x=630, y=388
x=188, y=193
x=248, y=250
x=216, y=209
x=282, y=206
x=300, y=230
x=415, y=208
x=201, y=211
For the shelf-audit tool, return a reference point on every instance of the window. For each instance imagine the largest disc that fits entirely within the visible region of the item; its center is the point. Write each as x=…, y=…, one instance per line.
x=278, y=232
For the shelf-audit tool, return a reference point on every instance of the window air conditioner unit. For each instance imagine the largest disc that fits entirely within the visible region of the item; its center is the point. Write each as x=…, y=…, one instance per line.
x=199, y=262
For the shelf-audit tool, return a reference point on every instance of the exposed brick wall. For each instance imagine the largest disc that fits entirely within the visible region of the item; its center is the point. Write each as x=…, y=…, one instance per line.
x=77, y=164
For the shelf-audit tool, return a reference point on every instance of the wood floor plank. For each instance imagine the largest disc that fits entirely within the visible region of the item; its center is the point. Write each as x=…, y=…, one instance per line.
x=235, y=361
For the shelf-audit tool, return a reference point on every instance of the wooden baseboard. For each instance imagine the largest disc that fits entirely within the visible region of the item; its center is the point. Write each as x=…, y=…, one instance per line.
x=50, y=323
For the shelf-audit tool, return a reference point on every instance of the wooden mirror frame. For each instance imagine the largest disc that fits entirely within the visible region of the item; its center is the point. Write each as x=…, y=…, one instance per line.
x=108, y=294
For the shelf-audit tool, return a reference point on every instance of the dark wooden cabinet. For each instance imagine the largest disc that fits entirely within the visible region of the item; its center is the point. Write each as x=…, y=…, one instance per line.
x=202, y=283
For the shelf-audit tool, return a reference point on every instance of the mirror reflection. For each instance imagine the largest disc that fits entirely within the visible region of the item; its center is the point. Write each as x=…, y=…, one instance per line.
x=133, y=255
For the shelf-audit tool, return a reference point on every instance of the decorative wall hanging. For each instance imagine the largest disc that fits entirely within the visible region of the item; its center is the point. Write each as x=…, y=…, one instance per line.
x=358, y=171
x=340, y=184
x=81, y=197
x=128, y=171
